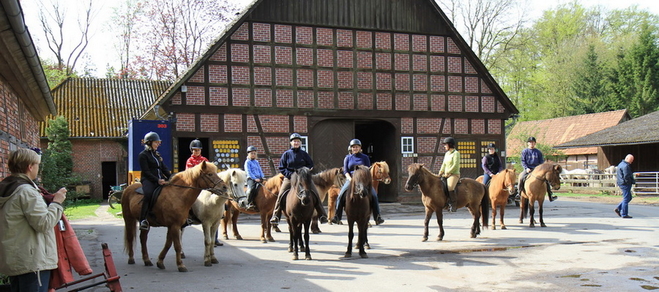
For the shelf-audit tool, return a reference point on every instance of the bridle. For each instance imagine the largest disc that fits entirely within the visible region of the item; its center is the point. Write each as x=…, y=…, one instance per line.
x=206, y=180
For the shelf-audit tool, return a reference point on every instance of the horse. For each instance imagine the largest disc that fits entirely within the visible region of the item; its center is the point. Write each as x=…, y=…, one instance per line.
x=324, y=181
x=470, y=193
x=358, y=208
x=299, y=210
x=265, y=204
x=380, y=173
x=208, y=209
x=170, y=210
x=535, y=189
x=502, y=186
x=332, y=196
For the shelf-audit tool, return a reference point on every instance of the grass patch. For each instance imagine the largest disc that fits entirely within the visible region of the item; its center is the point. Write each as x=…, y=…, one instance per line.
x=115, y=211
x=81, y=209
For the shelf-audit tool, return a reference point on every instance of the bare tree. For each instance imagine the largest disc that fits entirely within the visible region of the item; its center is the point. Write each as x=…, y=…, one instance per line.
x=487, y=25
x=66, y=47
x=124, y=19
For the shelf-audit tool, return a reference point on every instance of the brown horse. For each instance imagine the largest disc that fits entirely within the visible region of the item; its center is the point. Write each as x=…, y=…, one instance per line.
x=324, y=181
x=332, y=195
x=380, y=173
x=300, y=203
x=358, y=208
x=535, y=189
x=265, y=204
x=471, y=194
x=502, y=185
x=170, y=210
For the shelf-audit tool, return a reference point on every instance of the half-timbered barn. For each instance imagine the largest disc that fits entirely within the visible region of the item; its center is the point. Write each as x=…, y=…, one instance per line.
x=98, y=111
x=394, y=74
x=25, y=98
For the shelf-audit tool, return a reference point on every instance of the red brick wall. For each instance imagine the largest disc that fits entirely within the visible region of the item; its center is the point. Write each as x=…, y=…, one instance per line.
x=88, y=156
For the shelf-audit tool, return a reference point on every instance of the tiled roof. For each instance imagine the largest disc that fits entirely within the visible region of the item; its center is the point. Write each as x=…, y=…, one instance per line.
x=101, y=108
x=560, y=130
x=641, y=130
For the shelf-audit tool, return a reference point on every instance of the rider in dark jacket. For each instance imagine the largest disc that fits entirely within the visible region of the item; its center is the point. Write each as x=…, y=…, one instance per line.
x=154, y=173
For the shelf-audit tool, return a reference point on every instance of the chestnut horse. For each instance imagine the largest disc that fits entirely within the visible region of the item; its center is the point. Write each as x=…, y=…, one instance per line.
x=265, y=204
x=502, y=185
x=535, y=189
x=324, y=181
x=470, y=193
x=299, y=209
x=358, y=208
x=170, y=210
x=380, y=173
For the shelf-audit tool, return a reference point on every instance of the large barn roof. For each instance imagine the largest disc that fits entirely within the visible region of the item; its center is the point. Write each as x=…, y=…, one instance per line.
x=641, y=130
x=561, y=130
x=101, y=108
x=416, y=16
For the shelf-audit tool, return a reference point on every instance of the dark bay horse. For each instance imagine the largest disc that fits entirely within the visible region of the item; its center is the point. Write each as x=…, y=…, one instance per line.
x=358, y=208
x=502, y=185
x=471, y=194
x=265, y=204
x=299, y=210
x=324, y=181
x=170, y=210
x=535, y=189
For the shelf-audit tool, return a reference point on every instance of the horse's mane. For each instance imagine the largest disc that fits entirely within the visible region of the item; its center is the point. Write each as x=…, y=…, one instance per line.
x=548, y=166
x=361, y=174
x=383, y=165
x=228, y=175
x=422, y=168
x=188, y=175
x=303, y=177
x=325, y=175
x=274, y=182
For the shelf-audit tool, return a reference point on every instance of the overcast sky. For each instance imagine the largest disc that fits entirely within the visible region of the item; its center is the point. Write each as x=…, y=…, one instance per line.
x=102, y=50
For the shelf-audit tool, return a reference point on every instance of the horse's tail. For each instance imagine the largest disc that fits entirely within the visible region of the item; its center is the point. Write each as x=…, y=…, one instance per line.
x=485, y=206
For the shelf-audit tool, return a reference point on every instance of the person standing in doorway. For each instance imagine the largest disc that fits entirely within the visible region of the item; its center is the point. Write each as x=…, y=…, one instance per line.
x=154, y=173
x=625, y=180
x=491, y=163
x=450, y=171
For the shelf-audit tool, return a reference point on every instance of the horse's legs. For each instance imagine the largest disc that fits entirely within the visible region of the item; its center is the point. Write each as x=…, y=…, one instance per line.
x=523, y=202
x=307, y=253
x=351, y=234
x=542, y=221
x=144, y=234
x=314, y=224
x=225, y=221
x=264, y=228
x=503, y=207
x=173, y=236
x=531, y=213
x=291, y=235
x=476, y=214
x=234, y=223
x=440, y=222
x=129, y=238
x=362, y=241
x=494, y=215
x=426, y=221
x=211, y=241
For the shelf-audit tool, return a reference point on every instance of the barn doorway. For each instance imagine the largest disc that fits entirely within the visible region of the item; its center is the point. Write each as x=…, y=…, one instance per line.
x=109, y=177
x=329, y=145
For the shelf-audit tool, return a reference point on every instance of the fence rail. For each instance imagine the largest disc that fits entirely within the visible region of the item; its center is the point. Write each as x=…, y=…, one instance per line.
x=647, y=183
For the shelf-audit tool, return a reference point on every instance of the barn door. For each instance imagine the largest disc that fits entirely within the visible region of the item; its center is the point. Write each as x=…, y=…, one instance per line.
x=329, y=143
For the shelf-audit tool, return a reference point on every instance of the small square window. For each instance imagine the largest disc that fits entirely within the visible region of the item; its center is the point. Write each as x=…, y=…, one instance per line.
x=305, y=143
x=407, y=144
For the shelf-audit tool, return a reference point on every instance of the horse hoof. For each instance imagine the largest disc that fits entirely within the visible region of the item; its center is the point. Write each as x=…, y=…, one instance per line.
x=263, y=240
x=543, y=225
x=182, y=255
x=347, y=255
x=473, y=236
x=214, y=261
x=148, y=263
x=207, y=264
x=276, y=229
x=290, y=249
x=503, y=227
x=367, y=246
x=532, y=226
x=493, y=227
x=363, y=255
x=226, y=237
x=161, y=266
x=295, y=258
x=239, y=237
x=182, y=269
x=308, y=258
x=424, y=239
x=316, y=231
x=131, y=261
x=270, y=239
x=440, y=238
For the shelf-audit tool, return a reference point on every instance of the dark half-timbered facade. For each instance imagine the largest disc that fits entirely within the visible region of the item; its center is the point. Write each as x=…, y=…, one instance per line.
x=395, y=74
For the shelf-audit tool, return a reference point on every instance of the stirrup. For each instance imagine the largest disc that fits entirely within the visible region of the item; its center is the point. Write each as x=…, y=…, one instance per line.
x=144, y=225
x=274, y=220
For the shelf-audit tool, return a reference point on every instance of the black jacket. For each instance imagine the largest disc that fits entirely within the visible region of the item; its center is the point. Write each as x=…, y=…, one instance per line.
x=153, y=168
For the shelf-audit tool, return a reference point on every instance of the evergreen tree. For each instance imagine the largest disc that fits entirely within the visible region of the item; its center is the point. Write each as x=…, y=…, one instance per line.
x=589, y=86
x=57, y=163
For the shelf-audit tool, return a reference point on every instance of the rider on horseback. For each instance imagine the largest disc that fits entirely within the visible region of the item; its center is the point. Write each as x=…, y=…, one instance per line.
x=450, y=171
x=531, y=158
x=254, y=176
x=350, y=163
x=290, y=161
x=154, y=173
x=491, y=163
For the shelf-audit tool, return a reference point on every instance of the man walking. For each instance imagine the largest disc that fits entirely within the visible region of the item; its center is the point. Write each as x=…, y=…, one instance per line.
x=625, y=180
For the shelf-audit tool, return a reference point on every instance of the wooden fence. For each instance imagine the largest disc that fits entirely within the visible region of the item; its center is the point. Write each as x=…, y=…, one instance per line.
x=647, y=183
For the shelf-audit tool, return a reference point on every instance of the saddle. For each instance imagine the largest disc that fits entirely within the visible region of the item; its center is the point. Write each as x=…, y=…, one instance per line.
x=445, y=185
x=154, y=197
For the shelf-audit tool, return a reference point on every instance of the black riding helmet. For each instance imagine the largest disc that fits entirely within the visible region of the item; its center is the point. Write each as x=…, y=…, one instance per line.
x=151, y=137
x=195, y=144
x=530, y=139
x=450, y=141
x=491, y=145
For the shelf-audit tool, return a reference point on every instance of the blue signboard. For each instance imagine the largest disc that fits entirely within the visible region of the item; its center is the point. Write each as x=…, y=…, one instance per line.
x=136, y=131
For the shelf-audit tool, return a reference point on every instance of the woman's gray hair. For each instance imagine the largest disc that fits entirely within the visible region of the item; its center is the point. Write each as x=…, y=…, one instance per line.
x=21, y=159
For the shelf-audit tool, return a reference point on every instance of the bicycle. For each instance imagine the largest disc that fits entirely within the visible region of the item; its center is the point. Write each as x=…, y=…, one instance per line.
x=114, y=197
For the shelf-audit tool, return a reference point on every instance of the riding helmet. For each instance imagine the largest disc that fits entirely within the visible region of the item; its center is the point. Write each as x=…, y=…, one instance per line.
x=195, y=144
x=295, y=136
x=251, y=149
x=450, y=141
x=491, y=145
x=530, y=139
x=151, y=137
x=355, y=142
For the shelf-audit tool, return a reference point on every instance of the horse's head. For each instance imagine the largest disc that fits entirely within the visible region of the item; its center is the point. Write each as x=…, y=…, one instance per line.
x=205, y=175
x=236, y=178
x=554, y=176
x=509, y=180
x=414, y=171
x=380, y=172
x=301, y=185
x=361, y=181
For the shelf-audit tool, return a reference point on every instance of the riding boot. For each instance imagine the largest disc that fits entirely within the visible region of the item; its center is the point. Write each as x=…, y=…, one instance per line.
x=250, y=198
x=453, y=200
x=276, y=214
x=144, y=224
x=322, y=214
x=550, y=194
x=340, y=204
x=375, y=206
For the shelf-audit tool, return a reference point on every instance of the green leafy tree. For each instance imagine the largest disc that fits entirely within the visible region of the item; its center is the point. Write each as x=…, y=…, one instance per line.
x=57, y=162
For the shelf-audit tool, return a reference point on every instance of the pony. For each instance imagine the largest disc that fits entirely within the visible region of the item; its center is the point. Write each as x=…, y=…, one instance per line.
x=324, y=181
x=535, y=190
x=208, y=210
x=380, y=173
x=265, y=204
x=170, y=210
x=332, y=196
x=358, y=208
x=470, y=193
x=502, y=186
x=299, y=210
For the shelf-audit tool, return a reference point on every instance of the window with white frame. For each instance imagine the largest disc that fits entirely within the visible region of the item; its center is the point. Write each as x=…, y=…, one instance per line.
x=407, y=144
x=305, y=143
